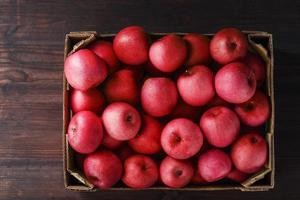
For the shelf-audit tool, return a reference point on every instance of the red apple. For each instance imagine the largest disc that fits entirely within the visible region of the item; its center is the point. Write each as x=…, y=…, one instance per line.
x=214, y=165
x=124, y=152
x=121, y=121
x=110, y=142
x=256, y=63
x=159, y=96
x=168, y=53
x=176, y=173
x=255, y=111
x=91, y=100
x=131, y=45
x=85, y=132
x=198, y=48
x=220, y=126
x=147, y=141
x=249, y=153
x=181, y=138
x=184, y=110
x=85, y=70
x=228, y=45
x=122, y=86
x=217, y=101
x=140, y=172
x=196, y=85
x=103, y=169
x=237, y=176
x=104, y=50
x=235, y=82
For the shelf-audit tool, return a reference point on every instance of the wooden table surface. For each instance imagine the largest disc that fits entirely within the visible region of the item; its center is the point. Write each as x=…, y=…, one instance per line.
x=31, y=69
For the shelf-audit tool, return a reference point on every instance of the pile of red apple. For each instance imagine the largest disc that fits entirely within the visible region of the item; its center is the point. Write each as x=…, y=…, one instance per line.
x=168, y=111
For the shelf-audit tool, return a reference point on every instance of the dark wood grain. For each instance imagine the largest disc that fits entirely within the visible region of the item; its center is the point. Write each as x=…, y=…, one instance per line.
x=31, y=67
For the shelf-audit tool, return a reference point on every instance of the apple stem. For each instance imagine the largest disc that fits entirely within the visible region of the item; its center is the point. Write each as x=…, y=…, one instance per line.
x=129, y=118
x=249, y=106
x=73, y=129
x=232, y=45
x=254, y=140
x=143, y=167
x=177, y=139
x=178, y=172
x=187, y=72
